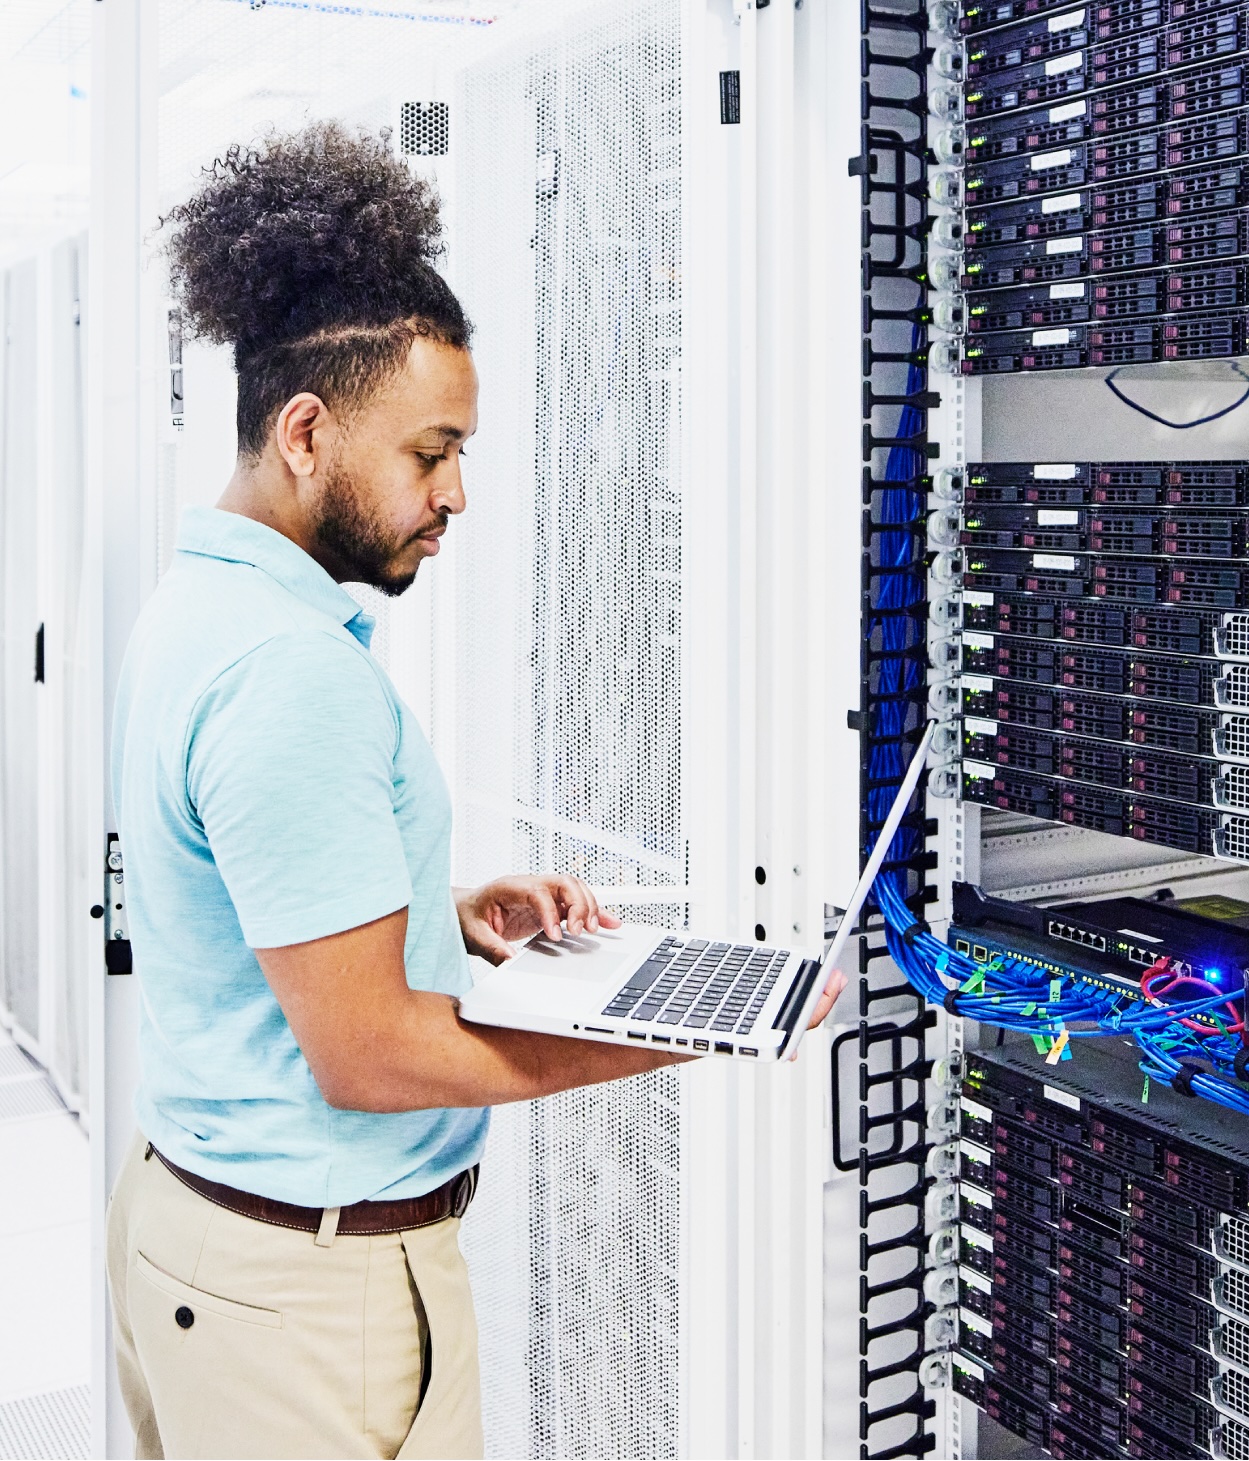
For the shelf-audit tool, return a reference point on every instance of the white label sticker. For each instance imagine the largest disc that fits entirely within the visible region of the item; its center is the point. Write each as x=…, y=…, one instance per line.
x=1061, y=203
x=972, y=1150
x=1068, y=291
x=974, y=1321
x=974, y=1195
x=1068, y=111
x=1051, y=337
x=1059, y=561
x=1054, y=471
x=1072, y=61
x=980, y=684
x=984, y=771
x=1057, y=517
x=981, y=600
x=1061, y=158
x=1065, y=245
x=1147, y=938
x=975, y=1238
x=978, y=641
x=974, y=726
x=1066, y=22
x=974, y=1108
x=1064, y=1098
x=969, y=1367
x=974, y=1280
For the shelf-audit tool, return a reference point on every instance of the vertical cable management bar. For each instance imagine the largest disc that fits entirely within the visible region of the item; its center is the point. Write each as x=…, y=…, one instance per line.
x=894, y=1021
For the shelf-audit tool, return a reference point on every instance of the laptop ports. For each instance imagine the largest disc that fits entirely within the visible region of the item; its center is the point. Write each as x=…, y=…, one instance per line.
x=723, y=1047
x=636, y=1034
x=661, y=1039
x=746, y=1050
x=702, y=1045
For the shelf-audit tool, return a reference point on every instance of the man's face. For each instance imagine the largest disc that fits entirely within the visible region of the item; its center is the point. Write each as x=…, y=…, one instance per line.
x=393, y=481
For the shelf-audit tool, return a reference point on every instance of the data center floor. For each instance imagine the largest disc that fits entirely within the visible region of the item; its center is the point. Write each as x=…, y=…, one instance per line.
x=44, y=1266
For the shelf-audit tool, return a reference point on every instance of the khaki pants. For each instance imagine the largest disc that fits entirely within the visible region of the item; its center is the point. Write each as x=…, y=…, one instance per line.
x=236, y=1338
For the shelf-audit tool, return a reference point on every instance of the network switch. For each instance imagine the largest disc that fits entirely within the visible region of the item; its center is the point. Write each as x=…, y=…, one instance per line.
x=1161, y=630
x=1072, y=347
x=1123, y=580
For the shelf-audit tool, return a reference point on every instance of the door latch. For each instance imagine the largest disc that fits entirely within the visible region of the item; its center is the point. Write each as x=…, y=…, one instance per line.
x=117, y=956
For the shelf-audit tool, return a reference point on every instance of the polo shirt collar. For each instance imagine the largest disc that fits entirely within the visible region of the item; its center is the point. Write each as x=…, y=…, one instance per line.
x=211, y=533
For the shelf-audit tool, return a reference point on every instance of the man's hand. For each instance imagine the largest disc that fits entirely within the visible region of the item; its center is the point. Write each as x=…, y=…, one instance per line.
x=832, y=991
x=509, y=909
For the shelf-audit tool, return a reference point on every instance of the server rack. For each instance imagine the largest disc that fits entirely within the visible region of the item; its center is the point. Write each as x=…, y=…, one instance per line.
x=1081, y=626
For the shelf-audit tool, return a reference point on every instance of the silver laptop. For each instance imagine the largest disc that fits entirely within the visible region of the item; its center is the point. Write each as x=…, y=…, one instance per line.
x=697, y=995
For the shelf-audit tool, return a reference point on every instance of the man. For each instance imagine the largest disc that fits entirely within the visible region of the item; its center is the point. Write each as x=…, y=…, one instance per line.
x=283, y=1250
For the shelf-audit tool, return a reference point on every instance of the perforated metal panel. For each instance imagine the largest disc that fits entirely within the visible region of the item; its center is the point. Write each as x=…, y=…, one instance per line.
x=1232, y=1241
x=424, y=128
x=1231, y=1439
x=567, y=251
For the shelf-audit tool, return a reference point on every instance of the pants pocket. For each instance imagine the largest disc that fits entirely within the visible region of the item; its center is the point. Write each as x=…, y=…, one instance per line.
x=194, y=1348
x=187, y=1301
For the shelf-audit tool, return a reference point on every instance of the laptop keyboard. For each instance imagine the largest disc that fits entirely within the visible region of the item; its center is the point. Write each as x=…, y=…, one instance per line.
x=701, y=986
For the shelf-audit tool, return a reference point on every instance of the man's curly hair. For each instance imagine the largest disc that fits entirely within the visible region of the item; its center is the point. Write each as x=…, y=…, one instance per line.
x=312, y=255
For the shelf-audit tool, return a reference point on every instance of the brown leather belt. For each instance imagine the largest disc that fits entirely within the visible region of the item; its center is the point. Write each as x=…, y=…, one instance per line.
x=361, y=1219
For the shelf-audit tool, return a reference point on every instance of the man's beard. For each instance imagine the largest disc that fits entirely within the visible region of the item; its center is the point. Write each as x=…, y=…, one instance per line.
x=355, y=539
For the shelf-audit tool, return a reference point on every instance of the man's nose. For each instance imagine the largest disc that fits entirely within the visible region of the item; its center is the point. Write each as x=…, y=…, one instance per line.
x=448, y=496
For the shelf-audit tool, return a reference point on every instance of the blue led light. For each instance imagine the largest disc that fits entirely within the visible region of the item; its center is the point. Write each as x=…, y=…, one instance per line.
x=1215, y=974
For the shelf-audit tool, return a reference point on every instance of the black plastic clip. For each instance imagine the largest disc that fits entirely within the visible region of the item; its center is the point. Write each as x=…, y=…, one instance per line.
x=950, y=1002
x=1183, y=1079
x=1241, y=1064
x=862, y=166
x=912, y=931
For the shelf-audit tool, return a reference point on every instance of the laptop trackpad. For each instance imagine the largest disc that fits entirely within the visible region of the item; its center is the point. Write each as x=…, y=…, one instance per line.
x=586, y=956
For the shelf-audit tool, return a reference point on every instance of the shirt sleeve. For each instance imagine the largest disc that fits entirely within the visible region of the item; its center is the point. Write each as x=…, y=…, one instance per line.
x=289, y=769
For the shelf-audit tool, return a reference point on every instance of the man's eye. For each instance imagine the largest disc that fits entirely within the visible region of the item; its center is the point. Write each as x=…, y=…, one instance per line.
x=430, y=461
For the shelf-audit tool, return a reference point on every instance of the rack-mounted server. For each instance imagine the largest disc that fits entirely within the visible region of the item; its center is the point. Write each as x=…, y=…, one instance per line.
x=1107, y=20
x=1103, y=188
x=1102, y=651
x=1096, y=1264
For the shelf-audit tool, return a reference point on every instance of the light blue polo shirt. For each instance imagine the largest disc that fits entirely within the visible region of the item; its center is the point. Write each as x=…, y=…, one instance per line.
x=271, y=788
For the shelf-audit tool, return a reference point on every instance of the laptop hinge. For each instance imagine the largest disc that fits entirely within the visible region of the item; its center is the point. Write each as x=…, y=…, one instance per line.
x=808, y=973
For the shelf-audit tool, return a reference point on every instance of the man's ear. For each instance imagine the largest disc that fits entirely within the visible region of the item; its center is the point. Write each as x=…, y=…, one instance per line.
x=300, y=422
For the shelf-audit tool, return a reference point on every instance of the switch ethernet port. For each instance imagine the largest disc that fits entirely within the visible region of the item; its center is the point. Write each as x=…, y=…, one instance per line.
x=961, y=946
x=979, y=953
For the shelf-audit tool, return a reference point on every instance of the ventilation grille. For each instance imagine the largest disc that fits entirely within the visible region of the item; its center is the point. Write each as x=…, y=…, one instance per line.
x=424, y=128
x=567, y=251
x=1232, y=1241
x=1232, y=1340
x=1231, y=788
x=1231, y=839
x=1232, y=691
x=1231, y=638
x=1231, y=740
x=1231, y=1291
x=1231, y=1439
x=1231, y=1389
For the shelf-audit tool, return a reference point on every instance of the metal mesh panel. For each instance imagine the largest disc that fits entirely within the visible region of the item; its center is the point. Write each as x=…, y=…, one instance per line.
x=1232, y=1342
x=1232, y=1390
x=1231, y=1291
x=1231, y=789
x=1232, y=638
x=1232, y=1241
x=1231, y=740
x=1231, y=1439
x=1233, y=688
x=567, y=251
